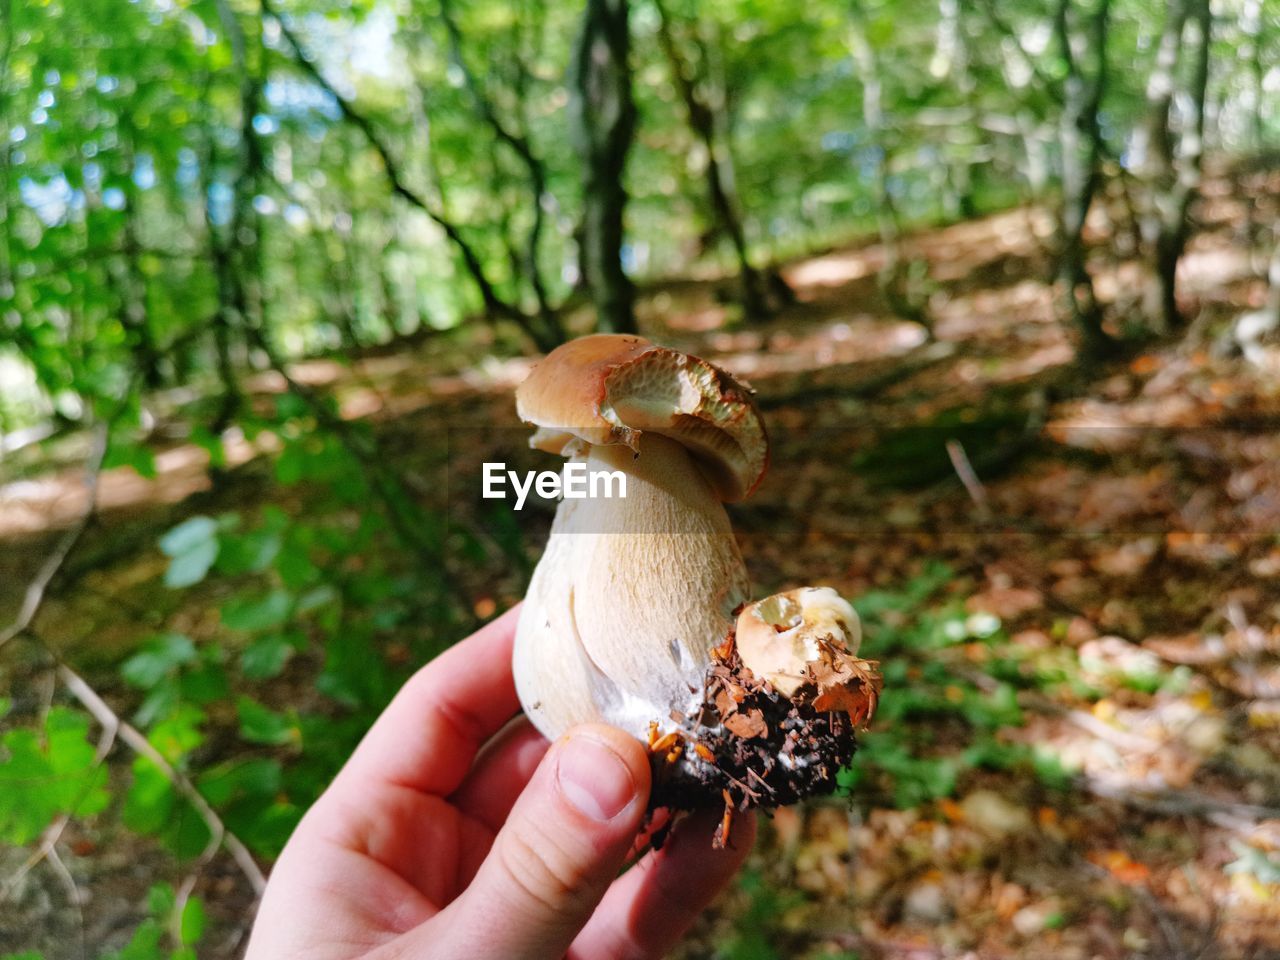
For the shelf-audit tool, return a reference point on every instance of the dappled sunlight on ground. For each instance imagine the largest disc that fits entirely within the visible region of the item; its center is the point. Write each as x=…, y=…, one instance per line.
x=858, y=339
x=57, y=500
x=833, y=270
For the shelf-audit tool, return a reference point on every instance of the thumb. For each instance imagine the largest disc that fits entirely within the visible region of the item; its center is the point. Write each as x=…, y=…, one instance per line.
x=560, y=849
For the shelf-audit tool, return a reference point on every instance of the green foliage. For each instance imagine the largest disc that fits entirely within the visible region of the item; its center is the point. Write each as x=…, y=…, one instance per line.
x=291, y=604
x=166, y=934
x=158, y=660
x=915, y=779
x=254, y=614
x=940, y=715
x=46, y=773
x=765, y=902
x=126, y=158
x=192, y=547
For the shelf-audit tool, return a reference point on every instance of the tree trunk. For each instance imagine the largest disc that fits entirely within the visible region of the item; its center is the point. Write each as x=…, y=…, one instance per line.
x=721, y=190
x=892, y=278
x=1153, y=146
x=1253, y=25
x=1175, y=207
x=603, y=115
x=131, y=284
x=1081, y=141
x=514, y=135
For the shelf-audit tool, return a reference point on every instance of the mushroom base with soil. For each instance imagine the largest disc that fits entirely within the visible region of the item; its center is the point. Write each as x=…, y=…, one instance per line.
x=750, y=745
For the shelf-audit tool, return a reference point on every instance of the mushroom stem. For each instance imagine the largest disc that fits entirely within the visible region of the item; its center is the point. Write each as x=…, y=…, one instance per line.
x=661, y=562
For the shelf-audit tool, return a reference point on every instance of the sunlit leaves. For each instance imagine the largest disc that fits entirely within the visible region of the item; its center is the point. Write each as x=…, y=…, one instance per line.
x=927, y=646
x=150, y=798
x=171, y=669
x=128, y=453
x=47, y=772
x=192, y=547
x=152, y=805
x=179, y=733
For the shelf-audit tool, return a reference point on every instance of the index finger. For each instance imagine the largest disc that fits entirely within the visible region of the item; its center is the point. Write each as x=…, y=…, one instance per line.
x=427, y=737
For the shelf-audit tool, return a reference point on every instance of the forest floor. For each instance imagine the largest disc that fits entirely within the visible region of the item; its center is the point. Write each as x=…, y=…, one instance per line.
x=1078, y=751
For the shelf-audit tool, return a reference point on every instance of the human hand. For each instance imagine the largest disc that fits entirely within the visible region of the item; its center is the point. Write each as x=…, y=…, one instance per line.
x=451, y=833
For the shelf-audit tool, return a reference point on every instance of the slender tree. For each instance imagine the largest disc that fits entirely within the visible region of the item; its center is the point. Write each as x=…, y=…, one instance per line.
x=513, y=135
x=721, y=183
x=494, y=304
x=1080, y=138
x=1171, y=166
x=894, y=275
x=603, y=118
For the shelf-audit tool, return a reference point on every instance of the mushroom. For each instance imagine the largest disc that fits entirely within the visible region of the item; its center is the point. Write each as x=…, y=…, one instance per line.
x=632, y=612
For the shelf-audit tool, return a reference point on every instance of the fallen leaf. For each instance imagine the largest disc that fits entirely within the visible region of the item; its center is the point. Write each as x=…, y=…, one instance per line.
x=747, y=725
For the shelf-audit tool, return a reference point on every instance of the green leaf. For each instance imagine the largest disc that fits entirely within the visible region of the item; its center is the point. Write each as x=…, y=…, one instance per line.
x=257, y=613
x=249, y=779
x=258, y=724
x=159, y=702
x=160, y=901
x=159, y=657
x=145, y=944
x=150, y=799
x=265, y=657
x=191, y=926
x=48, y=773
x=211, y=444
x=179, y=733
x=317, y=597
x=188, y=535
x=188, y=569
x=250, y=552
x=126, y=453
x=192, y=547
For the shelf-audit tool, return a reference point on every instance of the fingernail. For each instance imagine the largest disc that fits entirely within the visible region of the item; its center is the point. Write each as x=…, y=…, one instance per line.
x=593, y=778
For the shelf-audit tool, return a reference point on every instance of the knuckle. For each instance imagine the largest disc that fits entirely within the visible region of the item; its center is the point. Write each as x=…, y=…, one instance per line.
x=541, y=870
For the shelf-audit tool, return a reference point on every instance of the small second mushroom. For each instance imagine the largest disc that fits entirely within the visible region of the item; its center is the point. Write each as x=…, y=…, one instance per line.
x=637, y=614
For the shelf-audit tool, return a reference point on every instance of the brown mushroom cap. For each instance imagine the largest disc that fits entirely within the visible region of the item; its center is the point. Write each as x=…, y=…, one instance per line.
x=611, y=388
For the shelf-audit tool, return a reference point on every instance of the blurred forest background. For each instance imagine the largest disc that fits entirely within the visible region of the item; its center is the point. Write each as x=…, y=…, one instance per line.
x=1005, y=275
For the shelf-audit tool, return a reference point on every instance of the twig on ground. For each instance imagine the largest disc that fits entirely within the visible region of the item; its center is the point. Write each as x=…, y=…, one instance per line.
x=74, y=894
x=133, y=738
x=1240, y=818
x=1090, y=724
x=972, y=484
x=34, y=595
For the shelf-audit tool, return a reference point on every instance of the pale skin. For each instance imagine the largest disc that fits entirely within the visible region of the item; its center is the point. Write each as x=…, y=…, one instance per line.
x=455, y=831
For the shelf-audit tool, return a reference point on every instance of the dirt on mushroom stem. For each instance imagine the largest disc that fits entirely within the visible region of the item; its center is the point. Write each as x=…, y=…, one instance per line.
x=748, y=746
